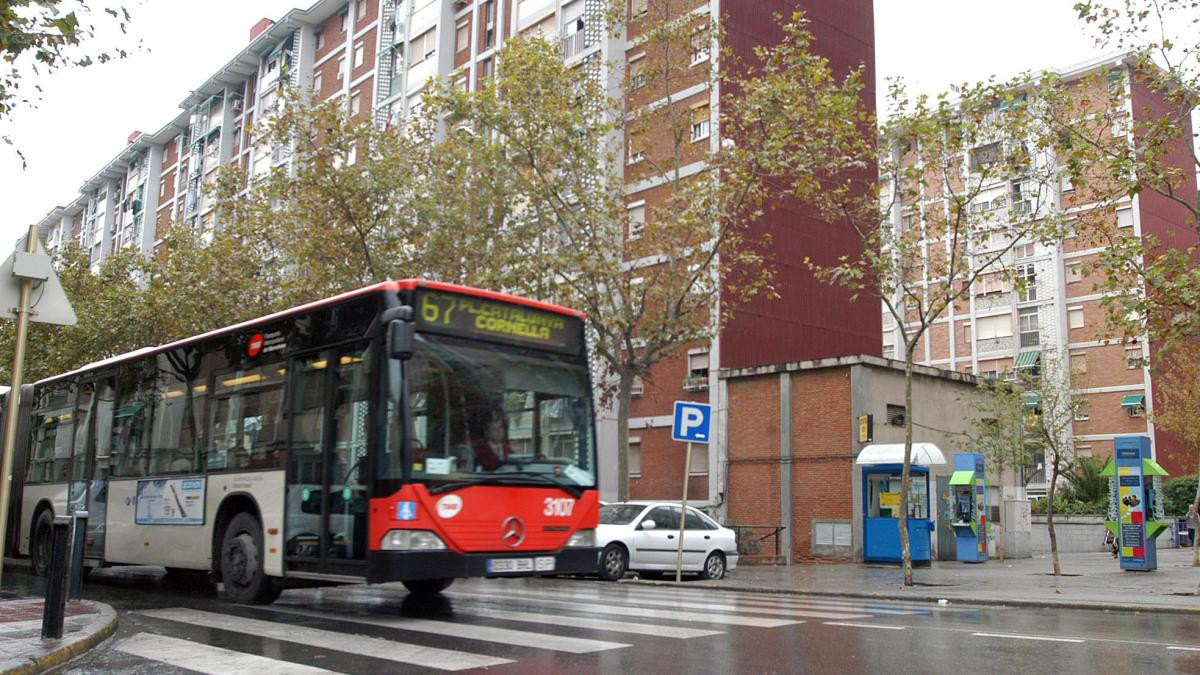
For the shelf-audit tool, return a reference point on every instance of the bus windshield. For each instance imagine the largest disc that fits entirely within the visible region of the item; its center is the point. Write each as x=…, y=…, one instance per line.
x=489, y=413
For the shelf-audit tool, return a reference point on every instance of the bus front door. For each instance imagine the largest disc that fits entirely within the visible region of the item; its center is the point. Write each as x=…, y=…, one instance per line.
x=326, y=519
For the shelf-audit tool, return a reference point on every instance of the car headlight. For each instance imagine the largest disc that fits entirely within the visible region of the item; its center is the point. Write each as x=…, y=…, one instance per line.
x=582, y=538
x=412, y=540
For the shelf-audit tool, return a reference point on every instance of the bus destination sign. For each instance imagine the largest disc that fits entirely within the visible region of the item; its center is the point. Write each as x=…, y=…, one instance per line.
x=465, y=315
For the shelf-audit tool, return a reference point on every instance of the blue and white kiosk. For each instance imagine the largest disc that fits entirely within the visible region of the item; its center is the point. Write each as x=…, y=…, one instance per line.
x=882, y=465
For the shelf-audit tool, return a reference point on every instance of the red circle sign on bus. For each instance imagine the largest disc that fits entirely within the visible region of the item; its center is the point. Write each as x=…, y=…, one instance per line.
x=256, y=344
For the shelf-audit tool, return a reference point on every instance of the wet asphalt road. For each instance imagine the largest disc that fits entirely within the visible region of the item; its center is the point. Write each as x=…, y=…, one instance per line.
x=583, y=625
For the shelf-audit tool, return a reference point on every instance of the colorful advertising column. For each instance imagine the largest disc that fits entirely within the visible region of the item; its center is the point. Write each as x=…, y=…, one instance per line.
x=1135, y=513
x=968, y=493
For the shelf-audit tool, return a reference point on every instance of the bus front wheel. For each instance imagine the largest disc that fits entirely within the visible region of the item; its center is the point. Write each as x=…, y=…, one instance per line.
x=242, y=563
x=39, y=542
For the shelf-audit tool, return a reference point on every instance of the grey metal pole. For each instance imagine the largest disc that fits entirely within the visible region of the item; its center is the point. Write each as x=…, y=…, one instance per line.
x=55, y=606
x=14, y=393
x=687, y=470
x=78, y=541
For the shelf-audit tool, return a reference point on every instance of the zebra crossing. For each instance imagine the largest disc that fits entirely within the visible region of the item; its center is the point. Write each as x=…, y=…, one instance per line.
x=479, y=624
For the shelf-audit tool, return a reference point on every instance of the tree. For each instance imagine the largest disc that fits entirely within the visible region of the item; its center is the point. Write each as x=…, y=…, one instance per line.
x=998, y=430
x=1052, y=408
x=41, y=36
x=1178, y=407
x=964, y=181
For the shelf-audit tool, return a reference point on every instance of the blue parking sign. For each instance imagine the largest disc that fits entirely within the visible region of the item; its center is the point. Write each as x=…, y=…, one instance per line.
x=693, y=422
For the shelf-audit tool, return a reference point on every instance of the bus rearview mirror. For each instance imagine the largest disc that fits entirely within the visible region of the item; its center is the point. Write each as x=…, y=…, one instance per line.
x=400, y=339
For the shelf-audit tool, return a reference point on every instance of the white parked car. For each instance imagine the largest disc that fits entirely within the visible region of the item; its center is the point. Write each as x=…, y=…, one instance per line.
x=644, y=536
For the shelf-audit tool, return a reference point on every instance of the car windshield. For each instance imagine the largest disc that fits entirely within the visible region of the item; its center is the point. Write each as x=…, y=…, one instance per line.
x=483, y=412
x=619, y=514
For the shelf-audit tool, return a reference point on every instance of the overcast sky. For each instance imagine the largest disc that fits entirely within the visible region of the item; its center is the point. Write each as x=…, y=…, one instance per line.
x=86, y=115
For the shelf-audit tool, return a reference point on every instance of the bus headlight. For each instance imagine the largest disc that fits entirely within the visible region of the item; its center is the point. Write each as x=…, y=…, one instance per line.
x=412, y=540
x=582, y=538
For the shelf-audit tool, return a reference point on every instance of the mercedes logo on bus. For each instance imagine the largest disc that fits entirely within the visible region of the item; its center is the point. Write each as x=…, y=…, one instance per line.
x=512, y=531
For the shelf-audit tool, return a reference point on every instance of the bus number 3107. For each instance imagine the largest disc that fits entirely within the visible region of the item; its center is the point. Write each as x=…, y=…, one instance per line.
x=559, y=507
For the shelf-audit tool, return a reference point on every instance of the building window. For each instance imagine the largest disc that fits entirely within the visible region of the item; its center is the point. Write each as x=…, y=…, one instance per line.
x=320, y=40
x=1065, y=184
x=889, y=351
x=1024, y=250
x=699, y=460
x=1124, y=217
x=1075, y=317
x=638, y=7
x=994, y=282
x=967, y=332
x=895, y=415
x=359, y=53
x=989, y=327
x=638, y=387
x=1027, y=322
x=462, y=36
x=637, y=149
x=635, y=456
x=700, y=120
x=360, y=10
x=341, y=66
x=355, y=104
x=637, y=219
x=1074, y=272
x=317, y=82
x=1079, y=362
x=1027, y=278
x=489, y=26
x=700, y=47
x=1133, y=356
x=422, y=47
x=637, y=72
x=345, y=20
x=485, y=68
x=697, y=379
x=1083, y=411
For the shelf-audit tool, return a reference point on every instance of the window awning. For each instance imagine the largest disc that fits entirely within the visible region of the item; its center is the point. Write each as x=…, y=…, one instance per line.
x=965, y=477
x=1028, y=359
x=1031, y=399
x=1134, y=401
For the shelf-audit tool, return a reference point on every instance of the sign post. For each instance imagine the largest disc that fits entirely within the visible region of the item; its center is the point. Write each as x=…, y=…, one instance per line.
x=26, y=268
x=691, y=425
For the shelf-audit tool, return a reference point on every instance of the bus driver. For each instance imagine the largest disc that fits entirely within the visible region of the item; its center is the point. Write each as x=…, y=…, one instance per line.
x=491, y=448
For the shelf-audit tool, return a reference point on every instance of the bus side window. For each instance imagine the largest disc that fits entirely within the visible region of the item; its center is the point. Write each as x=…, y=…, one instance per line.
x=53, y=429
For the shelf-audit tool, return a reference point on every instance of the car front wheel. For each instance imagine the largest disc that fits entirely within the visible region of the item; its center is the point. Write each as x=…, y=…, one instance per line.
x=714, y=566
x=614, y=562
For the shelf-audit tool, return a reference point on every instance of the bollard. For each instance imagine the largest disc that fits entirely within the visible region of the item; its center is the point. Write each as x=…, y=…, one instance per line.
x=77, y=544
x=54, y=609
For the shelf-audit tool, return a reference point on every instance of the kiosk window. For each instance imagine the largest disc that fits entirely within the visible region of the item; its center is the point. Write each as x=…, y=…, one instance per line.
x=883, y=496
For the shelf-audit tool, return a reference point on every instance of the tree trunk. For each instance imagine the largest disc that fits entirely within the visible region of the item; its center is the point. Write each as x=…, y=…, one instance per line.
x=1050, y=516
x=999, y=520
x=1196, y=532
x=624, y=388
x=905, y=548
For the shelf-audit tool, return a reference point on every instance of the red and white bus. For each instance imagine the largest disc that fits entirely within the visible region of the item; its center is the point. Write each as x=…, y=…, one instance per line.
x=408, y=431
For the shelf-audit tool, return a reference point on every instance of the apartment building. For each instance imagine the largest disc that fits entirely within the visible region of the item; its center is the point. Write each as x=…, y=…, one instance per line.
x=1056, y=314
x=379, y=55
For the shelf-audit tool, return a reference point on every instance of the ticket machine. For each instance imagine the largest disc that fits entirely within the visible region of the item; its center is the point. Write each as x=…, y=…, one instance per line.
x=1135, y=514
x=968, y=507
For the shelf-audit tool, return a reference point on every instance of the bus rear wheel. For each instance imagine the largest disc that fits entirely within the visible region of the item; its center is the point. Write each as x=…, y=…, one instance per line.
x=39, y=542
x=242, y=563
x=427, y=587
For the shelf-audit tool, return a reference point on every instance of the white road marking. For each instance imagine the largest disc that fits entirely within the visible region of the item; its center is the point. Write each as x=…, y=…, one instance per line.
x=595, y=608
x=1185, y=649
x=748, y=599
x=401, y=652
x=207, y=658
x=863, y=625
x=863, y=604
x=505, y=636
x=1028, y=637
x=646, y=629
x=713, y=607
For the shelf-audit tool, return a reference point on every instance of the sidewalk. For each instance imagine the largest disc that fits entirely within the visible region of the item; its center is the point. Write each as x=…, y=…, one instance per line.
x=22, y=649
x=1089, y=581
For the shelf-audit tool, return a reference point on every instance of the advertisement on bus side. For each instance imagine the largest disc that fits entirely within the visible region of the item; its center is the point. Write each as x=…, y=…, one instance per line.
x=174, y=501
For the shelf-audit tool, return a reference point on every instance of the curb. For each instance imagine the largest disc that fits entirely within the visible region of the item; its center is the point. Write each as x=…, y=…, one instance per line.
x=71, y=649
x=1012, y=602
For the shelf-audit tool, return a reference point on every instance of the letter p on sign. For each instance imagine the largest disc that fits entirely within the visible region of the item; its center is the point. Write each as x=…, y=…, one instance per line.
x=692, y=422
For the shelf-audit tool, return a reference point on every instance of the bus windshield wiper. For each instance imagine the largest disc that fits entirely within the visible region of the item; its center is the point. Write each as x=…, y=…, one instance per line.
x=573, y=489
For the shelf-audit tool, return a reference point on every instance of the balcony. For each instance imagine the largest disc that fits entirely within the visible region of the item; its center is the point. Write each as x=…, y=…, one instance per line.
x=573, y=44
x=1030, y=339
x=695, y=383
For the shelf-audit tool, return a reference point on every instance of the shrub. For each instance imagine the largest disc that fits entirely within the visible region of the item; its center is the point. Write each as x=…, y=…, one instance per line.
x=1177, y=494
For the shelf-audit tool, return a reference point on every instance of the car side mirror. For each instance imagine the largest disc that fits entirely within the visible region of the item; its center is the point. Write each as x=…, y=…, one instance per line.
x=647, y=525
